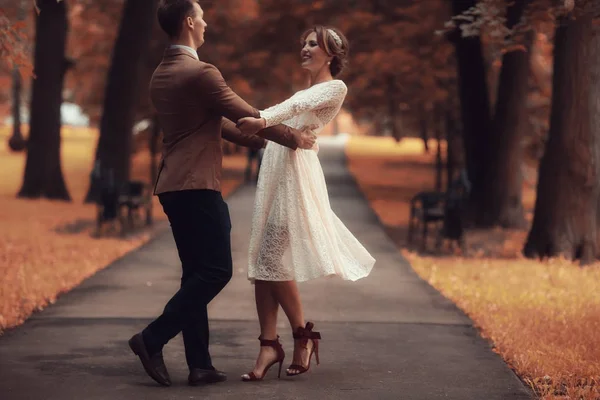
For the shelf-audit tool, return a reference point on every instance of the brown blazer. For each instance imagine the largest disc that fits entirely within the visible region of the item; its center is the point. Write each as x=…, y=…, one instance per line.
x=191, y=98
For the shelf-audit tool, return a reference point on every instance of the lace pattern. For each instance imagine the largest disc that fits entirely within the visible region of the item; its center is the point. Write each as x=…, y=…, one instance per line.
x=323, y=100
x=295, y=234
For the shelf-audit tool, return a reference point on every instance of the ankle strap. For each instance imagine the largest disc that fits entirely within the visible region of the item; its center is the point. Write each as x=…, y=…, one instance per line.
x=269, y=343
x=306, y=332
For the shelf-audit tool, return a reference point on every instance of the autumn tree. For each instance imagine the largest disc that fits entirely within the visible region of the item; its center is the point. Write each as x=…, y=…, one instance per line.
x=16, y=141
x=566, y=208
x=505, y=27
x=474, y=106
x=396, y=60
x=400, y=69
x=454, y=142
x=91, y=42
x=122, y=90
x=264, y=69
x=502, y=203
x=91, y=38
x=15, y=64
x=43, y=173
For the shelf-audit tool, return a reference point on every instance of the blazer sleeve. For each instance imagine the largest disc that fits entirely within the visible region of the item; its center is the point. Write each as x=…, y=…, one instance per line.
x=226, y=103
x=232, y=134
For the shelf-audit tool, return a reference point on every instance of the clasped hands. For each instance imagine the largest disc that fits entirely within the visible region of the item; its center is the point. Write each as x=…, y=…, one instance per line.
x=305, y=139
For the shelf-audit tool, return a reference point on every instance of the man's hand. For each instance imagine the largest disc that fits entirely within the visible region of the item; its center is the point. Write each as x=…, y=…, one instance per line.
x=306, y=138
x=251, y=125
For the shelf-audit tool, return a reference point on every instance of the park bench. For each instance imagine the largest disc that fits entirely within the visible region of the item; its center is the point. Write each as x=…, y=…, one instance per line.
x=112, y=197
x=444, y=210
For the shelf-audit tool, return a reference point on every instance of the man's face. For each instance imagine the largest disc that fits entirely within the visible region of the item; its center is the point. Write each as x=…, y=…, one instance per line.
x=198, y=25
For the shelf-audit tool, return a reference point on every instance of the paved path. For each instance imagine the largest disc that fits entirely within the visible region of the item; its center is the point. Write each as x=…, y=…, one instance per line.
x=389, y=336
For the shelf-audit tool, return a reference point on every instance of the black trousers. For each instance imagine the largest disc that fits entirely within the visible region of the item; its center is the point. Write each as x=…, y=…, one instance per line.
x=201, y=227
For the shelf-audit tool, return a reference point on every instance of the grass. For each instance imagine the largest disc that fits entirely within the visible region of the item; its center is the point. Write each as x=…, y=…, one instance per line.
x=543, y=318
x=48, y=247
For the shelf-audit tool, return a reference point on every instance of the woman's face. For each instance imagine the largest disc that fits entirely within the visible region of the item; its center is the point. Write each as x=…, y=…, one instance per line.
x=313, y=57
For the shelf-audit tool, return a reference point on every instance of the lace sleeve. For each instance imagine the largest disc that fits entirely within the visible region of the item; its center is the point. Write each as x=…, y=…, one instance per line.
x=322, y=95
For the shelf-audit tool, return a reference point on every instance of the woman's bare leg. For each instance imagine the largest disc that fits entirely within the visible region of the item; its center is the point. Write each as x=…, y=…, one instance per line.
x=266, y=307
x=288, y=295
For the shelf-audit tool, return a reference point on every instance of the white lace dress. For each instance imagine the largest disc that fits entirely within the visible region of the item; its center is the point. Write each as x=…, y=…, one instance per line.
x=295, y=234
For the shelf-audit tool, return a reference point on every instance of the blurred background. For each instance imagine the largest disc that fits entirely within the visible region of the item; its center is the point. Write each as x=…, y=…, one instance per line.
x=405, y=60
x=477, y=118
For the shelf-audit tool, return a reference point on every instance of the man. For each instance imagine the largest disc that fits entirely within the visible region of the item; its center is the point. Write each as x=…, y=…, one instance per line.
x=191, y=98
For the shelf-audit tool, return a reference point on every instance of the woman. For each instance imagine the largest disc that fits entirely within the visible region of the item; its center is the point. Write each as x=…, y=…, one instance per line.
x=295, y=234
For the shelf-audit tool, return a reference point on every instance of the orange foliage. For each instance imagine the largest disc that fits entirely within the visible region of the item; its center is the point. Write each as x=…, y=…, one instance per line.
x=542, y=317
x=14, y=40
x=386, y=40
x=49, y=247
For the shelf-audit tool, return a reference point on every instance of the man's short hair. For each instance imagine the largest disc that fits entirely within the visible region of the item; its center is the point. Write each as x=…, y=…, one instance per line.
x=171, y=14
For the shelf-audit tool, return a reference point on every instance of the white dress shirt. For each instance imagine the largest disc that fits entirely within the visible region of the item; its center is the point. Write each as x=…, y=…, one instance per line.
x=186, y=48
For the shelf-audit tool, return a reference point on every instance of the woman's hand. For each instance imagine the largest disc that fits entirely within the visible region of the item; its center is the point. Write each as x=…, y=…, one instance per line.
x=251, y=125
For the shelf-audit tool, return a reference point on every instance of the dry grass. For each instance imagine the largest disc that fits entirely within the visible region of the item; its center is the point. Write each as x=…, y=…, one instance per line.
x=48, y=247
x=542, y=317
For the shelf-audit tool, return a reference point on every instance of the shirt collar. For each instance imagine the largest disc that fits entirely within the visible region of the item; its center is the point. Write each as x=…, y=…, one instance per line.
x=186, y=48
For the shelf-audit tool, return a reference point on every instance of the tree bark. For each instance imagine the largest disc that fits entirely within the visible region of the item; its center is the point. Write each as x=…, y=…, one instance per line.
x=475, y=110
x=392, y=106
x=455, y=149
x=423, y=129
x=439, y=166
x=451, y=156
x=16, y=142
x=153, y=148
x=594, y=95
x=122, y=90
x=504, y=186
x=565, y=216
x=43, y=173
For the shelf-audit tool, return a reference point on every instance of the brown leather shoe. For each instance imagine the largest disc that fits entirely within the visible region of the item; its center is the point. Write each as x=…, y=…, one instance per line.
x=204, y=376
x=154, y=366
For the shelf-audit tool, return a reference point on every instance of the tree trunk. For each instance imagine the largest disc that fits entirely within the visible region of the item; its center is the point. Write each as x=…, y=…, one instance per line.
x=451, y=162
x=122, y=90
x=423, y=127
x=475, y=109
x=503, y=201
x=153, y=147
x=43, y=173
x=439, y=166
x=564, y=222
x=392, y=106
x=594, y=63
x=16, y=142
x=455, y=149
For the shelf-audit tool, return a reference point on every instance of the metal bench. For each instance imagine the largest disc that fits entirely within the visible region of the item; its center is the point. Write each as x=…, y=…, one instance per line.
x=442, y=209
x=112, y=197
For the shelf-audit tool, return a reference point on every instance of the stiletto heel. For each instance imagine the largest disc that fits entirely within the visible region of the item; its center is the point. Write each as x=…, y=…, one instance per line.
x=251, y=376
x=301, y=337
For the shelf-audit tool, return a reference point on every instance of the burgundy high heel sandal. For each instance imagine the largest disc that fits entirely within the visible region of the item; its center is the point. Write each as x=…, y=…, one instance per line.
x=303, y=335
x=251, y=377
